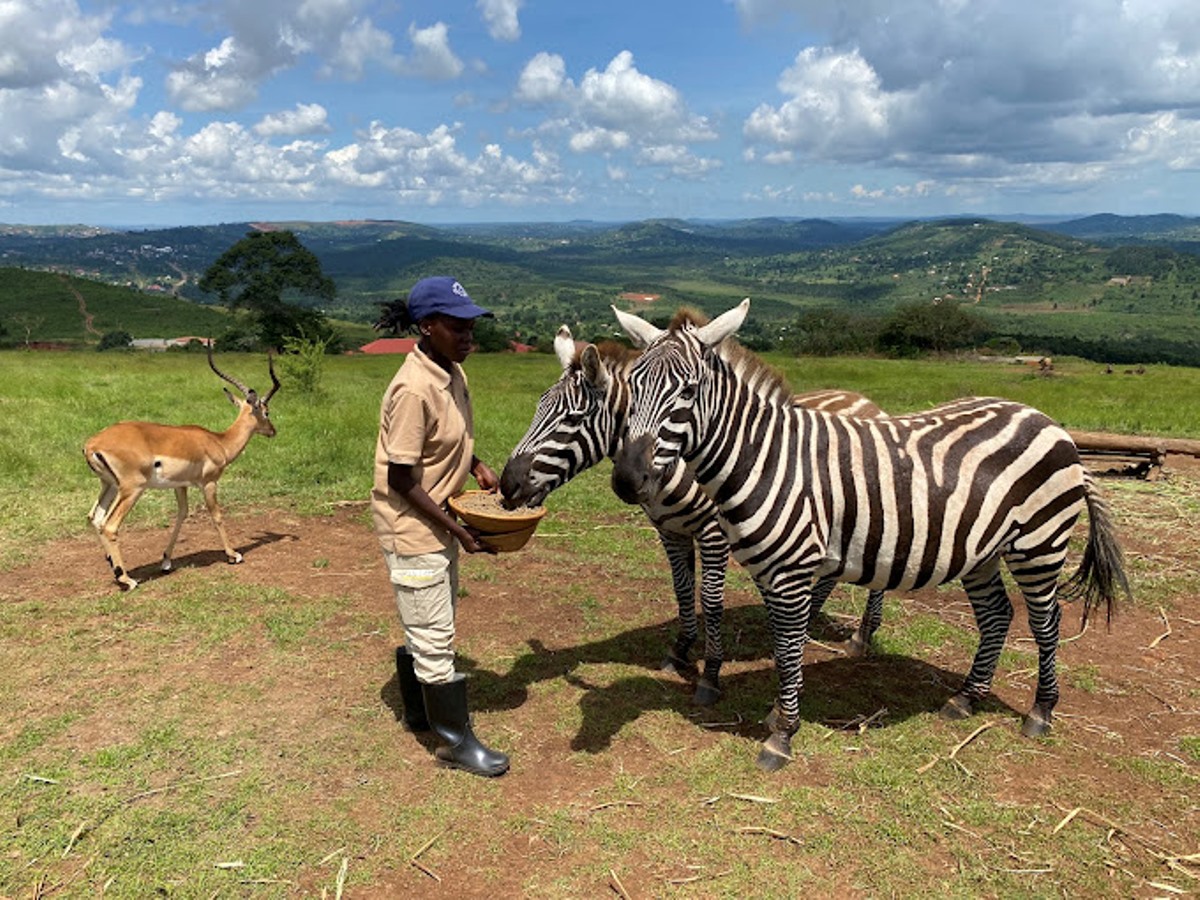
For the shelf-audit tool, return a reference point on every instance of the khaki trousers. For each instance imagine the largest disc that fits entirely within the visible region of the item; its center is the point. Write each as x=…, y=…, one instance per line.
x=426, y=589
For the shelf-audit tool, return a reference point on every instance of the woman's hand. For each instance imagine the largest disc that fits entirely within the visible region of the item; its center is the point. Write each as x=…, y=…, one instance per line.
x=475, y=544
x=484, y=476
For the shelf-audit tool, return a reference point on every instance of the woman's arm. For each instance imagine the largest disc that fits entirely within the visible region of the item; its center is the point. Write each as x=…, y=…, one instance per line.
x=401, y=480
x=485, y=477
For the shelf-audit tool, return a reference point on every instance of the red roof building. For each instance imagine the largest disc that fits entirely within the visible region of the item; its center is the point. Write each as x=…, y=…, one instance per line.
x=390, y=345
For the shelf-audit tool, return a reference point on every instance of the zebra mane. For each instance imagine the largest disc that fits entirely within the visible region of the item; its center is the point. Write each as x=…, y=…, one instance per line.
x=611, y=352
x=767, y=380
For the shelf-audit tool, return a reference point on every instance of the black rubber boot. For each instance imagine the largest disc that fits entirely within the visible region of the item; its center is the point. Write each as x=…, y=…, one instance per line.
x=410, y=692
x=446, y=705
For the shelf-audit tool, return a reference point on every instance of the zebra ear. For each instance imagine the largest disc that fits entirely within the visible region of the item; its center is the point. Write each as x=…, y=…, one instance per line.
x=641, y=332
x=592, y=370
x=564, y=347
x=723, y=325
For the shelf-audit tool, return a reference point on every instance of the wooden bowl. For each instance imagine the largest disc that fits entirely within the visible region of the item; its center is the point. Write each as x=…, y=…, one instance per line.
x=509, y=540
x=504, y=529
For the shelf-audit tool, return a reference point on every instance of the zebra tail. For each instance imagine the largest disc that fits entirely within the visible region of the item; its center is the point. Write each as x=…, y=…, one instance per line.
x=1102, y=571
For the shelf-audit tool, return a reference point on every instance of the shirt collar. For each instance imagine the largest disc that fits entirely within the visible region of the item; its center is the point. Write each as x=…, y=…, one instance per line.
x=436, y=373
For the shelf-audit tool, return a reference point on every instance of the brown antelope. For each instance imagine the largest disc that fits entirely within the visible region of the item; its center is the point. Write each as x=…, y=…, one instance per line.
x=130, y=457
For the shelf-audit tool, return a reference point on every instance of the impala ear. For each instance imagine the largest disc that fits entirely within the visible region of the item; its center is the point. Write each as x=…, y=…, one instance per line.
x=564, y=347
x=592, y=370
x=641, y=332
x=232, y=399
x=723, y=325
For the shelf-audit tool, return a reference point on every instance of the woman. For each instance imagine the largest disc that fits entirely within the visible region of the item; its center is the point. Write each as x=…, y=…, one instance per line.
x=425, y=451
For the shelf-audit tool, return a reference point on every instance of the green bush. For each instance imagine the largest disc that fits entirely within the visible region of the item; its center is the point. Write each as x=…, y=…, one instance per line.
x=115, y=340
x=302, y=364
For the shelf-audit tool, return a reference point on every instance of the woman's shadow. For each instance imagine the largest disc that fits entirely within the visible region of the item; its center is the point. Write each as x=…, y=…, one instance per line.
x=837, y=690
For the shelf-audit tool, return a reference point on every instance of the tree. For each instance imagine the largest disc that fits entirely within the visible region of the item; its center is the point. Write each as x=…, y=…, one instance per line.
x=115, y=340
x=256, y=273
x=489, y=337
x=920, y=327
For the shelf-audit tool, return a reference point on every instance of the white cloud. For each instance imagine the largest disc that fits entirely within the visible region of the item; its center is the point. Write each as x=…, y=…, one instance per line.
x=617, y=110
x=432, y=56
x=305, y=118
x=1007, y=92
x=544, y=80
x=501, y=17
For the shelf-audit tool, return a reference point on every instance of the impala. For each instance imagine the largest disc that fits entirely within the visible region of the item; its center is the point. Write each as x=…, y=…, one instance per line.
x=130, y=457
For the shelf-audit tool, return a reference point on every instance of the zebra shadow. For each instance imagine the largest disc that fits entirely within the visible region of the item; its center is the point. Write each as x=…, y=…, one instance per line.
x=839, y=693
x=838, y=690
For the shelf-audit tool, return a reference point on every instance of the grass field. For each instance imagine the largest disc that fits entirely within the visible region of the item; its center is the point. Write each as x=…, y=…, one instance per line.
x=52, y=402
x=230, y=731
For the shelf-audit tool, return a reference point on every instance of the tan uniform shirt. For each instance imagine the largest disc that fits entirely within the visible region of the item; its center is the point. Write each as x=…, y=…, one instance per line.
x=425, y=421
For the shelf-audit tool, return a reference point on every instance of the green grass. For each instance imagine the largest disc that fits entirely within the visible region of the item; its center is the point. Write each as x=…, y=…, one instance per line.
x=50, y=404
x=205, y=737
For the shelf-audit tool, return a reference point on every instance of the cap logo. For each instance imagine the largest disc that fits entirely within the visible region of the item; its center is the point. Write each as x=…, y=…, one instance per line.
x=459, y=290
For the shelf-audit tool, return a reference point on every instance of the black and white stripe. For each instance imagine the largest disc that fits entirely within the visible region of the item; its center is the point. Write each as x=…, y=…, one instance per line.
x=578, y=423
x=901, y=502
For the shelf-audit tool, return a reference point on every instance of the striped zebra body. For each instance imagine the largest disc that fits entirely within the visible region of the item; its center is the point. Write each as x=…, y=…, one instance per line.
x=901, y=502
x=577, y=424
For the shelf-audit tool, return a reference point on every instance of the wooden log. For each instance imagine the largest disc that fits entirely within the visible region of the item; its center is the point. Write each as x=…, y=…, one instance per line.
x=1130, y=443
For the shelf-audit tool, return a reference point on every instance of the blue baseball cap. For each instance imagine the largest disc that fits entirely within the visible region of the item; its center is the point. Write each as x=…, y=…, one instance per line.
x=442, y=294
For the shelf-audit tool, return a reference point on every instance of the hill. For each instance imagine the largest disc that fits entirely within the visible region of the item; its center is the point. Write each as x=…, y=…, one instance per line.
x=48, y=306
x=1106, y=286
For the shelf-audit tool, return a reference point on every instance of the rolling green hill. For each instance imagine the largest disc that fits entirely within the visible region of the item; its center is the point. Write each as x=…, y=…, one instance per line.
x=47, y=306
x=1116, y=288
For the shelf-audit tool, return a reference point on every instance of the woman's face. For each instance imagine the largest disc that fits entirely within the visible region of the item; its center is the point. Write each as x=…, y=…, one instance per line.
x=450, y=339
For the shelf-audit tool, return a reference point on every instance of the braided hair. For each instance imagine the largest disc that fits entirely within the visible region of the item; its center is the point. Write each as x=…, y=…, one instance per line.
x=395, y=317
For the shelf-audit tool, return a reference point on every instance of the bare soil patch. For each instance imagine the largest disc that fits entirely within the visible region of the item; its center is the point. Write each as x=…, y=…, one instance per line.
x=1142, y=699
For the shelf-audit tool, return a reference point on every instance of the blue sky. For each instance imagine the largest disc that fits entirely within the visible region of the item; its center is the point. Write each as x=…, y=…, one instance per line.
x=172, y=112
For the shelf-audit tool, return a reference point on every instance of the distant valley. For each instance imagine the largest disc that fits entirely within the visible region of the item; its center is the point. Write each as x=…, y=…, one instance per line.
x=1107, y=287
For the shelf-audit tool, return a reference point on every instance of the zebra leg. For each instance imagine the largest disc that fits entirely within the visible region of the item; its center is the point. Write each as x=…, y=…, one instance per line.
x=820, y=593
x=681, y=555
x=1044, y=617
x=714, y=560
x=860, y=641
x=993, y=613
x=789, y=618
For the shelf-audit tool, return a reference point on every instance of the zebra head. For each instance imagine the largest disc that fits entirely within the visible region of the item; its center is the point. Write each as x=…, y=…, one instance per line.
x=575, y=426
x=667, y=398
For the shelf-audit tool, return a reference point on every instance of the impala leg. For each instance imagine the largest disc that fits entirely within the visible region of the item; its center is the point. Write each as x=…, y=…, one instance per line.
x=214, y=510
x=117, y=511
x=181, y=501
x=108, y=493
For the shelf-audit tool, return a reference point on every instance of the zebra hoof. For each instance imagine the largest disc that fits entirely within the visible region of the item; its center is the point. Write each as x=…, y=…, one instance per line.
x=856, y=647
x=706, y=694
x=776, y=752
x=1036, y=723
x=958, y=707
x=680, y=667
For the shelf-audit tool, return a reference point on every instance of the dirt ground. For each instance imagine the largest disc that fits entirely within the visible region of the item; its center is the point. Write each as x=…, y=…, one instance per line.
x=1148, y=665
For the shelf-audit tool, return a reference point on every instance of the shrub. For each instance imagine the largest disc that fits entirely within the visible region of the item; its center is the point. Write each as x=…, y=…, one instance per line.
x=303, y=363
x=115, y=340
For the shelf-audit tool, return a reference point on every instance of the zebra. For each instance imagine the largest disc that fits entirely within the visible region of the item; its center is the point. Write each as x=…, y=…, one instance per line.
x=578, y=422
x=896, y=503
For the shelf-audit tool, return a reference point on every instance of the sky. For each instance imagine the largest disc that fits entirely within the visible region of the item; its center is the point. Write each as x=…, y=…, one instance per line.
x=174, y=112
